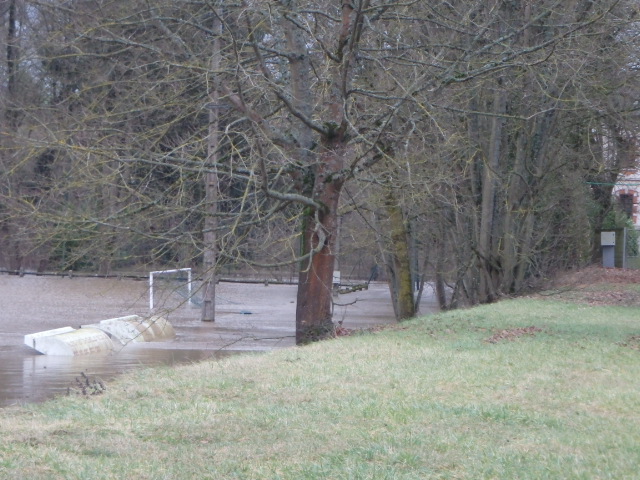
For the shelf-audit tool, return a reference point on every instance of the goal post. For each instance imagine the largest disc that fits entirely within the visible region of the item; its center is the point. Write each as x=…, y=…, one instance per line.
x=168, y=272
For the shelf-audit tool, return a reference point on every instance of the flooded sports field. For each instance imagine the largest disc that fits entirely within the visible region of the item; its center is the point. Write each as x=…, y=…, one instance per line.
x=249, y=317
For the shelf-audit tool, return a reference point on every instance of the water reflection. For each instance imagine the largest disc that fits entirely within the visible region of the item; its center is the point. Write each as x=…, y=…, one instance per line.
x=249, y=317
x=35, y=378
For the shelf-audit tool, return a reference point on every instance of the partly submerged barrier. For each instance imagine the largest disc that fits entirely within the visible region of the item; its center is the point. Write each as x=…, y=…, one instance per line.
x=100, y=337
x=68, y=341
x=134, y=328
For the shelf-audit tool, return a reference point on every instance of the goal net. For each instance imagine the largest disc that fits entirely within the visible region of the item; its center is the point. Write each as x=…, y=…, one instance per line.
x=170, y=289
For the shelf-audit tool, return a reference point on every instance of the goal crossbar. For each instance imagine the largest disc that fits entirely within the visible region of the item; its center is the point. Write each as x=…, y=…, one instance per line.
x=175, y=270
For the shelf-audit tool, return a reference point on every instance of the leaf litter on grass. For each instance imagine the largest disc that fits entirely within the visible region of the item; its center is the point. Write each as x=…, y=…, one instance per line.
x=633, y=342
x=511, y=334
x=597, y=286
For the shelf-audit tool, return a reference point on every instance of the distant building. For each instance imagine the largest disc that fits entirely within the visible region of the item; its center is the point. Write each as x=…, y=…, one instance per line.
x=627, y=190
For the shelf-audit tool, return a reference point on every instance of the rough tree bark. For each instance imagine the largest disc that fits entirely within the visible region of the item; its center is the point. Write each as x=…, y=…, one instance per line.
x=208, y=313
x=313, y=309
x=399, y=260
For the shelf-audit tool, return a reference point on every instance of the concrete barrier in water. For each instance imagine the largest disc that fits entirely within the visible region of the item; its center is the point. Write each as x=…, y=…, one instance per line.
x=68, y=341
x=100, y=337
x=134, y=328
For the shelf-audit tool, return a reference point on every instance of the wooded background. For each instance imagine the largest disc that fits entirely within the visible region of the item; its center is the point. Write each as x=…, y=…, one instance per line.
x=472, y=144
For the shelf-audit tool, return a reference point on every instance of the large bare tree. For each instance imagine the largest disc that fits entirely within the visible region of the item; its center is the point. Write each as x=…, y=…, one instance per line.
x=211, y=132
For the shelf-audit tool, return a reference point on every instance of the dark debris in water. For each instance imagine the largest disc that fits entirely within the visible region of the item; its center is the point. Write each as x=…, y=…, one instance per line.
x=87, y=386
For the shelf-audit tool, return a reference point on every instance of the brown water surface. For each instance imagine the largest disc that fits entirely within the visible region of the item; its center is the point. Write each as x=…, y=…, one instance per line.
x=249, y=317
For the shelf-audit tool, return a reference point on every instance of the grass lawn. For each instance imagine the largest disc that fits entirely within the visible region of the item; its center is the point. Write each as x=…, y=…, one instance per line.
x=526, y=388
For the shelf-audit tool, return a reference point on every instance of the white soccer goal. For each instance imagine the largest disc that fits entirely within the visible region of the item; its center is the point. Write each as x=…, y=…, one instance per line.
x=158, y=274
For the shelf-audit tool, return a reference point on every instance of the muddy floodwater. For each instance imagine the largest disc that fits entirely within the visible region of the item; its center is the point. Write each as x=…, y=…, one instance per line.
x=249, y=317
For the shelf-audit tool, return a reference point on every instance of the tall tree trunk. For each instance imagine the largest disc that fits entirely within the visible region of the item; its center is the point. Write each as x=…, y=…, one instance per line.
x=109, y=206
x=11, y=111
x=313, y=309
x=400, y=280
x=313, y=312
x=440, y=286
x=488, y=215
x=527, y=170
x=208, y=313
x=13, y=242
